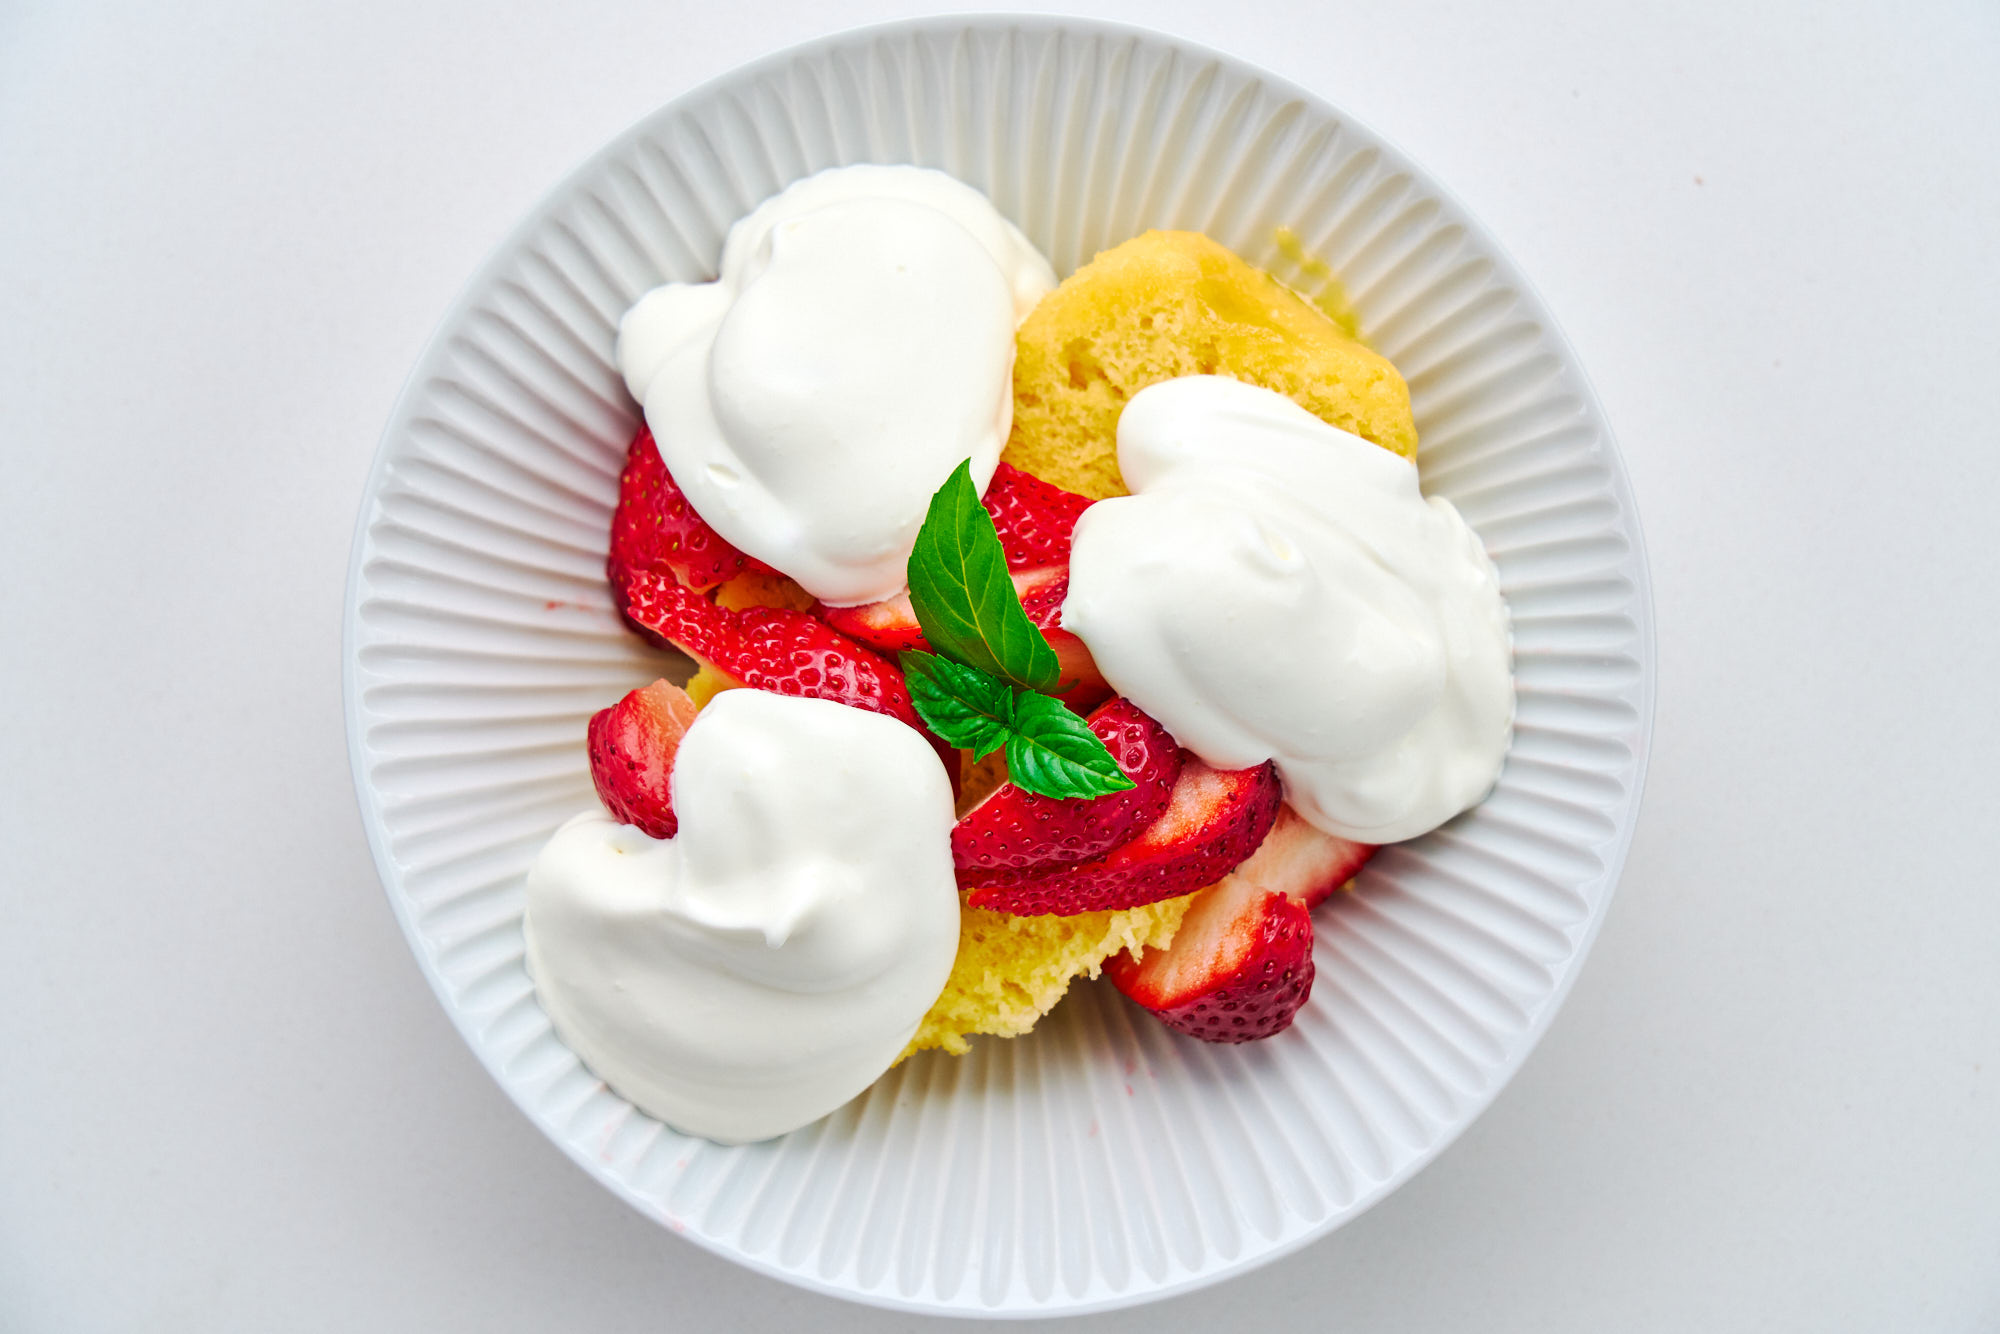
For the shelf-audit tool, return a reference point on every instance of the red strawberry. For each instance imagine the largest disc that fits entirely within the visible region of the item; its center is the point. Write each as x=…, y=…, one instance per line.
x=1213, y=820
x=1042, y=593
x=770, y=648
x=655, y=602
x=1304, y=862
x=1013, y=828
x=654, y=527
x=1035, y=519
x=792, y=653
x=773, y=648
x=889, y=625
x=1239, y=968
x=632, y=747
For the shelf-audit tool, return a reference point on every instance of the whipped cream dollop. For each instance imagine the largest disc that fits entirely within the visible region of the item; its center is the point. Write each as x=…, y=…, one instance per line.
x=857, y=346
x=773, y=958
x=1277, y=589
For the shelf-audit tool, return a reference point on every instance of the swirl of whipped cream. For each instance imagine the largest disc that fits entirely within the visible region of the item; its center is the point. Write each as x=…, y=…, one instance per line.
x=1277, y=589
x=857, y=346
x=774, y=957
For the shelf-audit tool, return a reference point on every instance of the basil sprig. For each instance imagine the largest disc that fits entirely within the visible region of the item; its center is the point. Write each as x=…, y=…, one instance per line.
x=1049, y=749
x=982, y=689
x=964, y=597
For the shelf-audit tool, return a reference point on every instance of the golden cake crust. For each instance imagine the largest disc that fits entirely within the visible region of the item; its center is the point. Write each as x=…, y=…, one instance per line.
x=1168, y=304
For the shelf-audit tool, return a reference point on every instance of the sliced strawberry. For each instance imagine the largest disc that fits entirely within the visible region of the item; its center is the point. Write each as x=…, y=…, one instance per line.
x=1083, y=686
x=1304, y=862
x=792, y=653
x=632, y=747
x=771, y=648
x=1035, y=520
x=657, y=604
x=654, y=528
x=1213, y=820
x=1239, y=968
x=1014, y=828
x=889, y=625
x=1042, y=593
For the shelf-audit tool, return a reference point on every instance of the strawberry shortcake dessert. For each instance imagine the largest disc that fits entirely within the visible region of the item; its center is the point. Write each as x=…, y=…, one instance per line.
x=1038, y=631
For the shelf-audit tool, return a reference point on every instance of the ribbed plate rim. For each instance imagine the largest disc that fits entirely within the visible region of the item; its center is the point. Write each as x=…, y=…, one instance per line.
x=938, y=26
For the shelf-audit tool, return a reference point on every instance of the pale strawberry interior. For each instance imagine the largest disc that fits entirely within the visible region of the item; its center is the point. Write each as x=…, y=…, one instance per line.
x=1215, y=938
x=1198, y=795
x=666, y=714
x=1299, y=860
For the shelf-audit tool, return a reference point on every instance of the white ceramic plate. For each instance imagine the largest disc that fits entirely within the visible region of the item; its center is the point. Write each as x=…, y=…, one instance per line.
x=1103, y=1160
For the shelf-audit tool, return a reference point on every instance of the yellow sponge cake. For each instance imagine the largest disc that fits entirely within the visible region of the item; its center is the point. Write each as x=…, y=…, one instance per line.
x=1012, y=970
x=1168, y=304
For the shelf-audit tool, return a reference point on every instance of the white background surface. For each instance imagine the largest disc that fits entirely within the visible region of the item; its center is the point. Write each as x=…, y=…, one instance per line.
x=230, y=1103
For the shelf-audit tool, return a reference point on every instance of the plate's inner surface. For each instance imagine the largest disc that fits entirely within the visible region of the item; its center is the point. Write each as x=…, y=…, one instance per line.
x=1102, y=1159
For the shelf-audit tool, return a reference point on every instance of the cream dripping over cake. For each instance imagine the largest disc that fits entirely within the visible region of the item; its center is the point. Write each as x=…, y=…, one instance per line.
x=1277, y=589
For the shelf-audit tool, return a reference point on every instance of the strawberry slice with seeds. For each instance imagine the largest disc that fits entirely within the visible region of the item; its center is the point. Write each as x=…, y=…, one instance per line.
x=1035, y=520
x=888, y=626
x=776, y=649
x=660, y=607
x=771, y=648
x=1042, y=593
x=655, y=528
x=1239, y=967
x=1214, y=819
x=632, y=746
x=792, y=653
x=1013, y=828
x=1307, y=863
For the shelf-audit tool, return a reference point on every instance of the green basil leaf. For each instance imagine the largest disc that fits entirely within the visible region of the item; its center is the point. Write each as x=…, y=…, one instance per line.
x=965, y=599
x=964, y=706
x=1050, y=750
